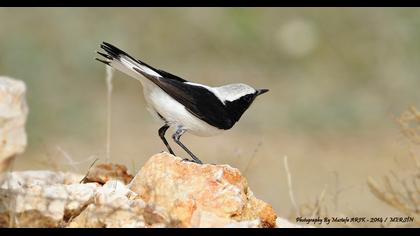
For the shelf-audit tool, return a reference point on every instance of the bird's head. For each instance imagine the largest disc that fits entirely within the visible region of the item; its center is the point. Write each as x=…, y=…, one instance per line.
x=238, y=98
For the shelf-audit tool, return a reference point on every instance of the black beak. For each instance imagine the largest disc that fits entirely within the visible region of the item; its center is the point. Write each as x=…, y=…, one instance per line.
x=261, y=91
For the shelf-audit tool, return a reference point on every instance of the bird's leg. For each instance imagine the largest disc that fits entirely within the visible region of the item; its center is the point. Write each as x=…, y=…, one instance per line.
x=176, y=136
x=162, y=132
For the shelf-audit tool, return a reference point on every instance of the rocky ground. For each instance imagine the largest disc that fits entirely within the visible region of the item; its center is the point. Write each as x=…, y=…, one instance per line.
x=166, y=192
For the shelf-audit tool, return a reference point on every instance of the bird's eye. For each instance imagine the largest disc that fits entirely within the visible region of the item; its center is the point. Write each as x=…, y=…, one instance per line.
x=248, y=98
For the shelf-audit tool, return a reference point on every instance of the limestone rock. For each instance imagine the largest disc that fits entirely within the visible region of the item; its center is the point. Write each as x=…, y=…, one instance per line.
x=23, y=179
x=188, y=190
x=113, y=207
x=166, y=192
x=42, y=198
x=13, y=114
x=102, y=173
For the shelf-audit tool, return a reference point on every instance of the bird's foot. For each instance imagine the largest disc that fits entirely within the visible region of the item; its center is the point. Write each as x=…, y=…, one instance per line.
x=196, y=160
x=193, y=161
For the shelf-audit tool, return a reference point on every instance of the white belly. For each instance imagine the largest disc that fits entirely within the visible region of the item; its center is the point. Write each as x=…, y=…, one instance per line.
x=175, y=113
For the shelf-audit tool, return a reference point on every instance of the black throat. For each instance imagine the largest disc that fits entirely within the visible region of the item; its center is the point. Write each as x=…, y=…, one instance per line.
x=237, y=107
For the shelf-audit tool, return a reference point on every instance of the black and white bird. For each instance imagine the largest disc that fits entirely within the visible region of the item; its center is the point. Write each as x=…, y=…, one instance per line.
x=182, y=105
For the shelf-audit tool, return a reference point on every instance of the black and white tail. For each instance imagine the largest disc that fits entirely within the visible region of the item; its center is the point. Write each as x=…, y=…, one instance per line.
x=125, y=63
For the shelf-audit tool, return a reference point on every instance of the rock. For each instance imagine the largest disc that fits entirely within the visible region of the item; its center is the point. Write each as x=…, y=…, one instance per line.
x=166, y=192
x=49, y=199
x=42, y=198
x=203, y=219
x=113, y=207
x=13, y=114
x=23, y=179
x=102, y=173
x=187, y=191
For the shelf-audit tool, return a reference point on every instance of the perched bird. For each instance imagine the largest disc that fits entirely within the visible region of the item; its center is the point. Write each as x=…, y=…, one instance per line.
x=182, y=105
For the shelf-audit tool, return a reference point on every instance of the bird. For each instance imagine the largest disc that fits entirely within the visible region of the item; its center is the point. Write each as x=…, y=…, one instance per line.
x=182, y=105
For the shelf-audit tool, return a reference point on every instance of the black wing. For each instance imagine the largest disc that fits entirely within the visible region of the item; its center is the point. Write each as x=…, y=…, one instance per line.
x=198, y=100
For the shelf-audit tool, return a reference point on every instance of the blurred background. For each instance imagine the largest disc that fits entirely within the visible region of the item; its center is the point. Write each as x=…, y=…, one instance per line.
x=338, y=78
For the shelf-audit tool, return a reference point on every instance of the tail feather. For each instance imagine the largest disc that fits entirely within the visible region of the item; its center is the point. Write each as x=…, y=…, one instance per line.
x=105, y=55
x=123, y=62
x=103, y=61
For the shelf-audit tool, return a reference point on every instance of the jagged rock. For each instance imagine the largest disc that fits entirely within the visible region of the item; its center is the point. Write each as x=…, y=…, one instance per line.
x=13, y=114
x=23, y=179
x=46, y=197
x=113, y=207
x=102, y=173
x=166, y=192
x=183, y=188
